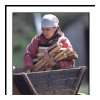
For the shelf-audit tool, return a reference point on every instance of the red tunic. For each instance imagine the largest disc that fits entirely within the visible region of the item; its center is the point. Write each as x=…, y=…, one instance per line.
x=32, y=49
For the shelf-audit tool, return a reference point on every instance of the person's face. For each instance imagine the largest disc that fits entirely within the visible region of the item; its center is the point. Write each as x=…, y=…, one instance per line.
x=49, y=32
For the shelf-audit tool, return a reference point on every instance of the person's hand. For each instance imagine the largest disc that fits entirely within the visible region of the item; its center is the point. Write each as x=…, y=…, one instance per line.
x=71, y=54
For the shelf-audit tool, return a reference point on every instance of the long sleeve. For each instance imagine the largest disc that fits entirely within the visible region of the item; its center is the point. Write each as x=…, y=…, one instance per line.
x=30, y=53
x=65, y=43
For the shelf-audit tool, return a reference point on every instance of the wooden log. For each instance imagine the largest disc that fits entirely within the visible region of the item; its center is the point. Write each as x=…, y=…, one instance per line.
x=41, y=63
x=54, y=52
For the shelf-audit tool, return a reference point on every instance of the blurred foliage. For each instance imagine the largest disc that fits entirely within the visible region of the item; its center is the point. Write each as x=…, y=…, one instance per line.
x=23, y=31
x=19, y=44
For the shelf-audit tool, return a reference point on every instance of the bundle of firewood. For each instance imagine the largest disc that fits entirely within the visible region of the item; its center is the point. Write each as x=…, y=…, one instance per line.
x=55, y=52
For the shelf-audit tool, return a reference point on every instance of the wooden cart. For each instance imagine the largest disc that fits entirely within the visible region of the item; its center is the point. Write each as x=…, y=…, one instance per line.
x=53, y=82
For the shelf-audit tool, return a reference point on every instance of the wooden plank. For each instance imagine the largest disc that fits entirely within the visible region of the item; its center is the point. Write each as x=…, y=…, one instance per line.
x=23, y=84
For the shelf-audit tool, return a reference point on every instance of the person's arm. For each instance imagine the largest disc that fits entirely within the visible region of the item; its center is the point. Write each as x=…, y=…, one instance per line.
x=30, y=53
x=65, y=43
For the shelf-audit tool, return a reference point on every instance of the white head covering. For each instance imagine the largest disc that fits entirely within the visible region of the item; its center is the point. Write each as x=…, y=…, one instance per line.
x=49, y=20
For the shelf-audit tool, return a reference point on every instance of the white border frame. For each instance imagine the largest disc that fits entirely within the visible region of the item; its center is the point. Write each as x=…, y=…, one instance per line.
x=10, y=10
x=50, y=2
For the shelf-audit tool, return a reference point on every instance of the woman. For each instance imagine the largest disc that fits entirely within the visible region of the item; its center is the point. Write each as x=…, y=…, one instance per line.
x=51, y=34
